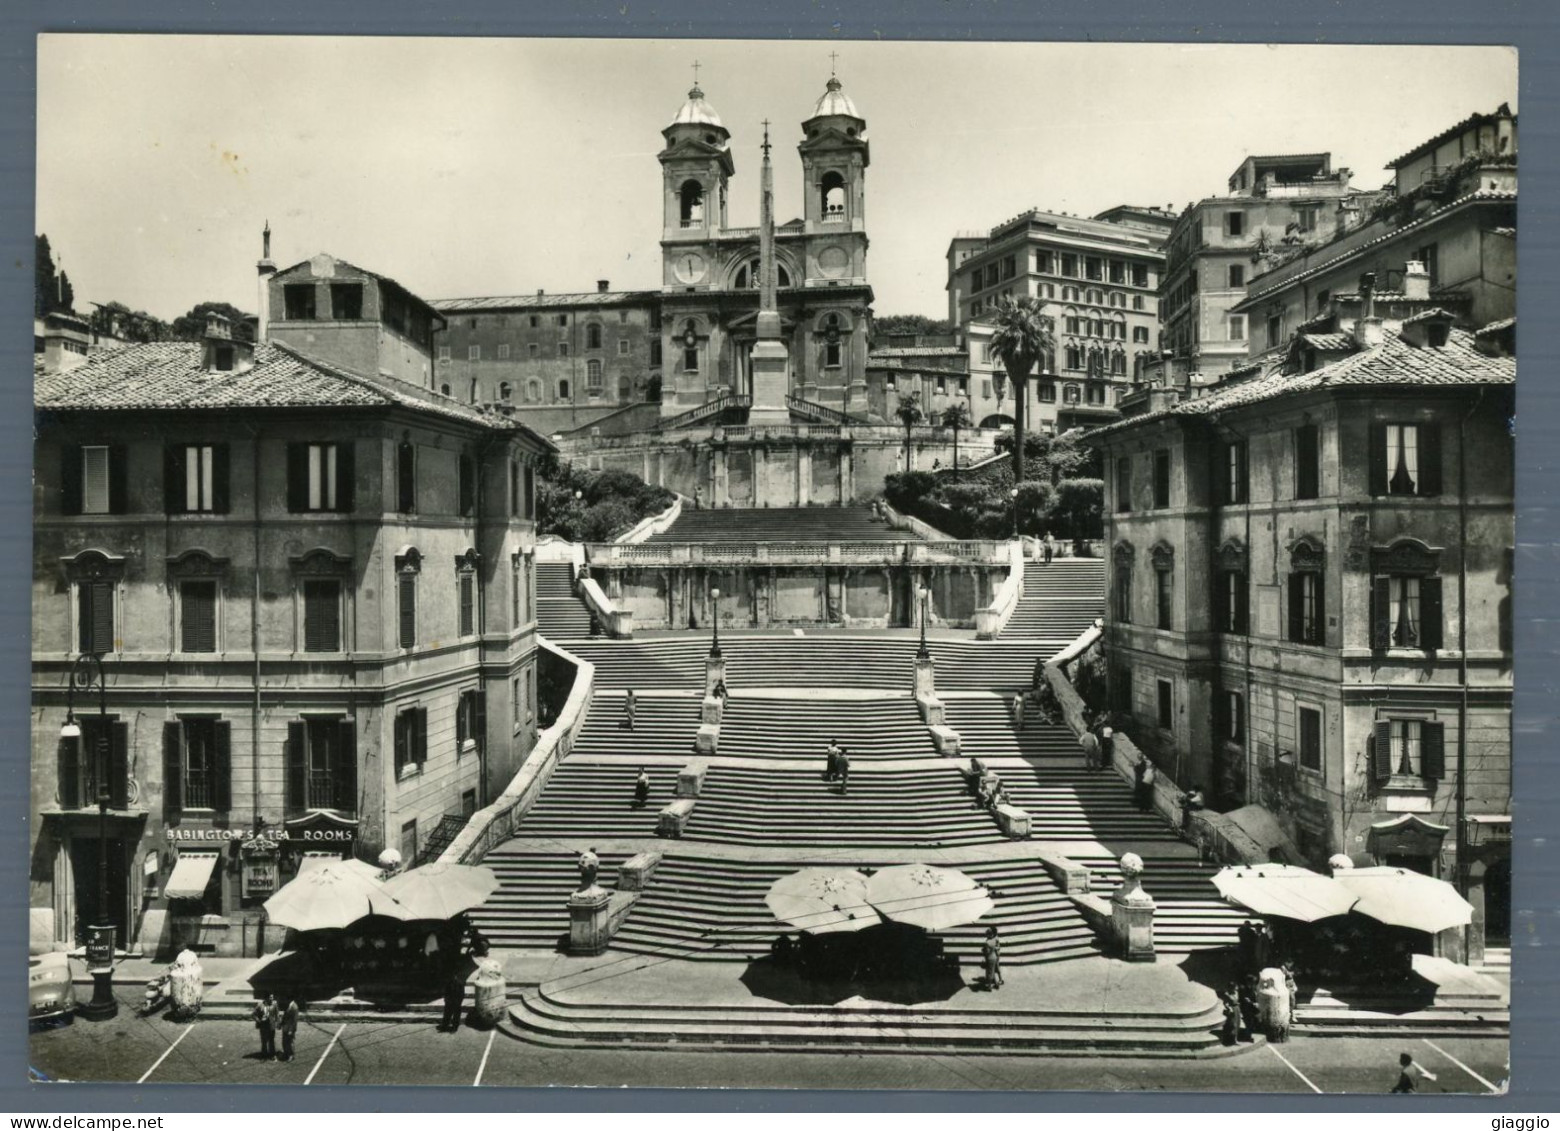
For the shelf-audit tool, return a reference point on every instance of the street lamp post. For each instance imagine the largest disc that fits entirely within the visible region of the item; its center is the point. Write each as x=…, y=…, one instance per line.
x=84, y=673
x=1013, y=494
x=924, y=653
x=715, y=622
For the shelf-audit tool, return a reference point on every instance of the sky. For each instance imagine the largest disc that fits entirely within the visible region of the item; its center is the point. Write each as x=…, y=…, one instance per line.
x=466, y=167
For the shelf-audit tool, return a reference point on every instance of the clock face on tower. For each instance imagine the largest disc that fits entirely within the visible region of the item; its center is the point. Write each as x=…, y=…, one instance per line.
x=688, y=266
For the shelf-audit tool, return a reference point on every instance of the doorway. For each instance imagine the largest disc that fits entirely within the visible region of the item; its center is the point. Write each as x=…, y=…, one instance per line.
x=1497, y=903
x=84, y=869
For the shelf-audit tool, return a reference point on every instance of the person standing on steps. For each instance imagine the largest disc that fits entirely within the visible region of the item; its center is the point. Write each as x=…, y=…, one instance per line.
x=1050, y=547
x=832, y=760
x=1091, y=751
x=630, y=705
x=843, y=763
x=991, y=958
x=1143, y=787
x=641, y=788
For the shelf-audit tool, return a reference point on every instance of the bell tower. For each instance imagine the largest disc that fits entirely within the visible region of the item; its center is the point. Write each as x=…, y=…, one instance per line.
x=696, y=165
x=835, y=156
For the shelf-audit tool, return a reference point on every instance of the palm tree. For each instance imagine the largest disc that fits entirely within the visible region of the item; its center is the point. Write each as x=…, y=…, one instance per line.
x=909, y=412
x=956, y=416
x=1022, y=338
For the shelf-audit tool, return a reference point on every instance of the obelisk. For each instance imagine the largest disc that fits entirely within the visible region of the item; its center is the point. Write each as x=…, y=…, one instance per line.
x=771, y=361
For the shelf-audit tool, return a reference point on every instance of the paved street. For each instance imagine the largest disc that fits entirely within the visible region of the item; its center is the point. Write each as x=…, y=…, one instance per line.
x=131, y=1049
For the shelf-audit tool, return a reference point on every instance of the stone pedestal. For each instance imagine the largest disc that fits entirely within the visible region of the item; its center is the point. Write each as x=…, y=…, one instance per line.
x=1132, y=913
x=690, y=779
x=946, y=740
x=1013, y=821
x=714, y=673
x=674, y=818
x=490, y=993
x=637, y=871
x=712, y=710
x=925, y=677
x=707, y=740
x=589, y=931
x=771, y=369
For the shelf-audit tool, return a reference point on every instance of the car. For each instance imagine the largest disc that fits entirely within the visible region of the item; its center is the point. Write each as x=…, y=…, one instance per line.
x=51, y=995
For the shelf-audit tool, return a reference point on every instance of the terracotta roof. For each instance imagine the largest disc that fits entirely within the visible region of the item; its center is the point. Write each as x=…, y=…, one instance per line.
x=1495, y=327
x=1433, y=312
x=1468, y=123
x=1330, y=343
x=1478, y=195
x=544, y=301
x=1394, y=363
x=170, y=376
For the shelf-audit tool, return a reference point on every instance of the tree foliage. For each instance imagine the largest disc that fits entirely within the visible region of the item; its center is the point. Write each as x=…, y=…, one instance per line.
x=1022, y=339
x=893, y=325
x=116, y=319
x=51, y=288
x=191, y=326
x=593, y=506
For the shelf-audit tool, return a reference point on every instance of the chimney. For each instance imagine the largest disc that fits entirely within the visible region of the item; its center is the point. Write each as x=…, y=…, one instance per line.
x=266, y=269
x=1416, y=281
x=601, y=286
x=1368, y=331
x=540, y=292
x=65, y=342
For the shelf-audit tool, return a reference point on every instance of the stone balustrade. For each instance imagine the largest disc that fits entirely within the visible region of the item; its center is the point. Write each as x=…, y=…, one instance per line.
x=610, y=555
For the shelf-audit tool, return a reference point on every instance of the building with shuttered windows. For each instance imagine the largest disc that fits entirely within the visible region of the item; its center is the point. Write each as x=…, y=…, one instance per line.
x=311, y=588
x=1310, y=577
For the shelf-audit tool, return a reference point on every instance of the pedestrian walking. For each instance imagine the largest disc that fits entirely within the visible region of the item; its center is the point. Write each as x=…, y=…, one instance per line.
x=991, y=958
x=1091, y=751
x=265, y=1024
x=1409, y=1074
x=1018, y=711
x=832, y=761
x=630, y=705
x=696, y=498
x=1050, y=547
x=1230, y=1000
x=589, y=864
x=1191, y=802
x=1107, y=741
x=454, y=994
x=641, y=788
x=289, y=1027
x=843, y=762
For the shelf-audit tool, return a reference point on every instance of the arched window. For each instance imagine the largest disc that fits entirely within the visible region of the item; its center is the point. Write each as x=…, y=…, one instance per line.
x=831, y=341
x=1096, y=362
x=533, y=390
x=748, y=276
x=445, y=389
x=563, y=390
x=1118, y=364
x=692, y=204
x=833, y=189
x=505, y=393
x=690, y=342
x=593, y=336
x=593, y=377
x=1070, y=394
x=1074, y=356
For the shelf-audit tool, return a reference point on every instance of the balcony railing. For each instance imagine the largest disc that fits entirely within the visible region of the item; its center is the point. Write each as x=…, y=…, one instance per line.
x=691, y=554
x=707, y=410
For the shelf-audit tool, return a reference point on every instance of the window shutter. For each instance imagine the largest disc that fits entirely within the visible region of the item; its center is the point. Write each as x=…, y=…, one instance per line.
x=1432, y=751
x=406, y=478
x=1238, y=717
x=1381, y=613
x=173, y=769
x=175, y=500
x=1242, y=475
x=321, y=616
x=222, y=771
x=420, y=735
x=467, y=604
x=345, y=770
x=297, y=477
x=1430, y=458
x=1221, y=715
x=462, y=719
x=1431, y=630
x=530, y=492
x=97, y=618
x=219, y=479
x=297, y=767
x=402, y=752
x=199, y=629
x=70, y=479
x=479, y=719
x=119, y=765
x=346, y=477
x=118, y=479
x=1381, y=750
x=1319, y=635
x=1242, y=604
x=1296, y=610
x=407, y=586
x=468, y=486
x=1378, y=459
x=68, y=771
x=1216, y=475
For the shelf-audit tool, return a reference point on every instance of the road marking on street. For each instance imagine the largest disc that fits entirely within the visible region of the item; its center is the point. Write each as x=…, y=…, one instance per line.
x=1493, y=1089
x=323, y=1055
x=158, y=1062
x=1293, y=1069
x=481, y=1068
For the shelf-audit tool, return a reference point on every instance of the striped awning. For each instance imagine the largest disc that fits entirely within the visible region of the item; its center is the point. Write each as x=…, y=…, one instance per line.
x=191, y=875
x=313, y=860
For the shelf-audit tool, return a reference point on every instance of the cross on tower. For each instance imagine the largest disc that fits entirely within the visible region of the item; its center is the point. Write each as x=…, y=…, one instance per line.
x=695, y=72
x=833, y=57
x=766, y=137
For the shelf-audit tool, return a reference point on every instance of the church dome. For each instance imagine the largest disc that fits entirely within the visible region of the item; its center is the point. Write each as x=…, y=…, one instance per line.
x=697, y=112
x=835, y=102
